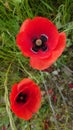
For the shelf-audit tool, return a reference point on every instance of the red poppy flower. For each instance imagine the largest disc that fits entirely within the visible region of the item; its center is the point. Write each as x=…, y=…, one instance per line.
x=25, y=99
x=40, y=40
x=71, y=85
x=55, y=98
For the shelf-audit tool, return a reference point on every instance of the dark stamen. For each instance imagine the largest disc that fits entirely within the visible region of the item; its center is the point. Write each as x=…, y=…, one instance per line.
x=39, y=43
x=34, y=40
x=44, y=48
x=21, y=98
x=44, y=38
x=35, y=48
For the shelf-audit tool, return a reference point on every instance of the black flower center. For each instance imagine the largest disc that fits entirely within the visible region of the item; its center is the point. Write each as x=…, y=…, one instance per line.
x=40, y=43
x=21, y=98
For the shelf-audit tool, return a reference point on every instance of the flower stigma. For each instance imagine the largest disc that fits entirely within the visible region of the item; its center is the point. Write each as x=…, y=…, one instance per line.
x=38, y=42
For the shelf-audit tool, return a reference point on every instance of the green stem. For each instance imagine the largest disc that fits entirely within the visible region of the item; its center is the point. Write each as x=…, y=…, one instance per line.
x=28, y=72
x=13, y=127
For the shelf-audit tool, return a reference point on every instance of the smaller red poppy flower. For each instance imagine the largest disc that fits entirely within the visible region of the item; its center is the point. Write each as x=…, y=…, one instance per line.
x=55, y=98
x=71, y=85
x=40, y=40
x=25, y=99
x=4, y=128
x=51, y=92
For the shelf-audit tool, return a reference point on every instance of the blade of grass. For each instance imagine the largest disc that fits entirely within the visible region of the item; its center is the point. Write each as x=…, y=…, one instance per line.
x=48, y=7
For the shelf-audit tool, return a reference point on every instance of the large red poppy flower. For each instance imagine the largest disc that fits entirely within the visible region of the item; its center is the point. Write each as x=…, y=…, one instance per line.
x=40, y=40
x=25, y=99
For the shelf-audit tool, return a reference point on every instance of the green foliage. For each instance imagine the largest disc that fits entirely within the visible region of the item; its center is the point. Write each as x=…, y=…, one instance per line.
x=12, y=14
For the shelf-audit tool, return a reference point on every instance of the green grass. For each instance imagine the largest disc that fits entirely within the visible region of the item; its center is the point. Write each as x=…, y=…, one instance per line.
x=14, y=67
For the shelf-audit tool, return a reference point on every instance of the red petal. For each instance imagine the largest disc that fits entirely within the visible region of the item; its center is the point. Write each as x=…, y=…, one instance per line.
x=24, y=25
x=13, y=93
x=23, y=113
x=44, y=63
x=36, y=98
x=24, y=83
x=22, y=40
x=24, y=44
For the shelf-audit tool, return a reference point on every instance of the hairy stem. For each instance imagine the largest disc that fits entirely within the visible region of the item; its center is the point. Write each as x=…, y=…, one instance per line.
x=49, y=100
x=13, y=127
x=28, y=72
